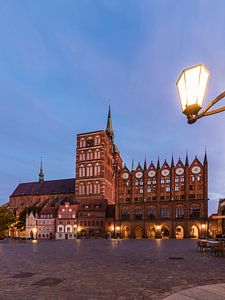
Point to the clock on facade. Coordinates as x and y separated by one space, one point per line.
179 171
90 143
125 175
196 170
138 175
165 172
151 173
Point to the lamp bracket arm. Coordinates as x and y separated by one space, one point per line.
206 111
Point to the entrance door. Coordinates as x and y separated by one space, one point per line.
138 232
126 232
179 232
194 232
151 232
165 232
66 236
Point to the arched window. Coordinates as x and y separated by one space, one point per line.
82 189
89 170
165 212
151 212
82 143
138 213
125 213
88 188
82 155
82 171
97 188
179 211
97 169
90 154
195 211
97 140
97 154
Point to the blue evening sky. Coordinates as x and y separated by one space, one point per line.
61 62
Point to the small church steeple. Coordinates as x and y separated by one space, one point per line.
41 174
109 128
132 166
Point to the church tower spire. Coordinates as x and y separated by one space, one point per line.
205 158
41 174
109 128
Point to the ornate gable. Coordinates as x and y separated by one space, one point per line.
151 170
165 169
196 167
179 168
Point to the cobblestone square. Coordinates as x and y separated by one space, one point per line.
104 269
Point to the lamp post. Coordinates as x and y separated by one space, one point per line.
75 230
144 219
191 87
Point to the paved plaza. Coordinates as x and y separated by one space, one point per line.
104 269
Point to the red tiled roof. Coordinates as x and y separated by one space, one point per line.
49 187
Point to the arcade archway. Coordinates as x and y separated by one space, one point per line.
179 232
125 232
138 232
151 232
194 233
165 232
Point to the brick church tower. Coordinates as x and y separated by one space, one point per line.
98 162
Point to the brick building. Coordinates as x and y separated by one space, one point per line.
42 193
91 218
66 221
168 200
46 223
217 221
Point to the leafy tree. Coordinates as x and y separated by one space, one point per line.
7 218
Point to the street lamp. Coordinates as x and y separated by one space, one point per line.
191 87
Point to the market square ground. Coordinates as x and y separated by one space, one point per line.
104 269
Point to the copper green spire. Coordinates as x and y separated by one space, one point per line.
109 128
41 174
132 166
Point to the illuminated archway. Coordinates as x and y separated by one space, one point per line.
194 233
125 232
165 232
179 232
151 232
138 232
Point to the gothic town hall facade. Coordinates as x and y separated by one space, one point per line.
147 201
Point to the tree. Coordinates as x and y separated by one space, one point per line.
7 218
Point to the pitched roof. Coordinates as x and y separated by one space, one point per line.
47 210
49 187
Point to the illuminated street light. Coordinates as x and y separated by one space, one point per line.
191 87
